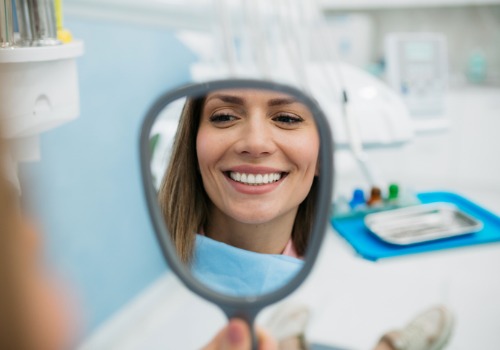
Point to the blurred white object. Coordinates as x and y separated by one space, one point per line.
373 115
351 36
289 319
381 115
164 130
39 91
417 68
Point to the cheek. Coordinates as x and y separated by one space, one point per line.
210 147
306 153
204 145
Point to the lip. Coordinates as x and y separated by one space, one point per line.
252 169
252 189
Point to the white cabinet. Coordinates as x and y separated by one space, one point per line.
376 4
197 14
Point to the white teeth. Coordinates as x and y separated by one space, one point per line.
252 179
265 179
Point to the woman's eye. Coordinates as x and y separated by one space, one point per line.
222 118
288 120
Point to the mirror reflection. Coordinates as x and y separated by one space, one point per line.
237 173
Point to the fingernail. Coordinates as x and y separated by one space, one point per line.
234 334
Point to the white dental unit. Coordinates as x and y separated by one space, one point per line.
38 77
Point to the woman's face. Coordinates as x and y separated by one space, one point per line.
257 154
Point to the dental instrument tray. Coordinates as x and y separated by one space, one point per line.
371 247
421 223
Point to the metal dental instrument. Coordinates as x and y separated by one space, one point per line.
23 23
43 22
6 24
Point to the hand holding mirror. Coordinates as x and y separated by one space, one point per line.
238 180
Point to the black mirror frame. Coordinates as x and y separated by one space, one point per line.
246 307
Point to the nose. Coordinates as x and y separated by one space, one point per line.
256 139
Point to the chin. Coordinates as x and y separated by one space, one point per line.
255 218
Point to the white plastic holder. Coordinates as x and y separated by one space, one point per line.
38 91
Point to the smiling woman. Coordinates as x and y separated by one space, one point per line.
242 180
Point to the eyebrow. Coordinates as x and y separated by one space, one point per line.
228 99
281 101
240 101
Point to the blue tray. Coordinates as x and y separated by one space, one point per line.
371 247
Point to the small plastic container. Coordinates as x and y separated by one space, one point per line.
421 223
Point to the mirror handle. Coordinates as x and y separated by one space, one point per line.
248 315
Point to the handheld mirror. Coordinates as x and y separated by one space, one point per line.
238 180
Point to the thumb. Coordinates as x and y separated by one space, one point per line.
237 336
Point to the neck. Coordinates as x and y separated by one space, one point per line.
251 236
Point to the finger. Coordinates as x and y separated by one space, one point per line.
215 343
266 341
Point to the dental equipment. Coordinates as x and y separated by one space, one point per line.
38 84
6 24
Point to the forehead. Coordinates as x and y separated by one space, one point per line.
244 96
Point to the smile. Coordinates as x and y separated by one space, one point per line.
255 179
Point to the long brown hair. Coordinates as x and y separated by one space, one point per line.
184 202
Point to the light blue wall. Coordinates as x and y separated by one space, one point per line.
87 187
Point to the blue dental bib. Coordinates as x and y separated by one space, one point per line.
238 272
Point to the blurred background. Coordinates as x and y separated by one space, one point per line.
439 58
